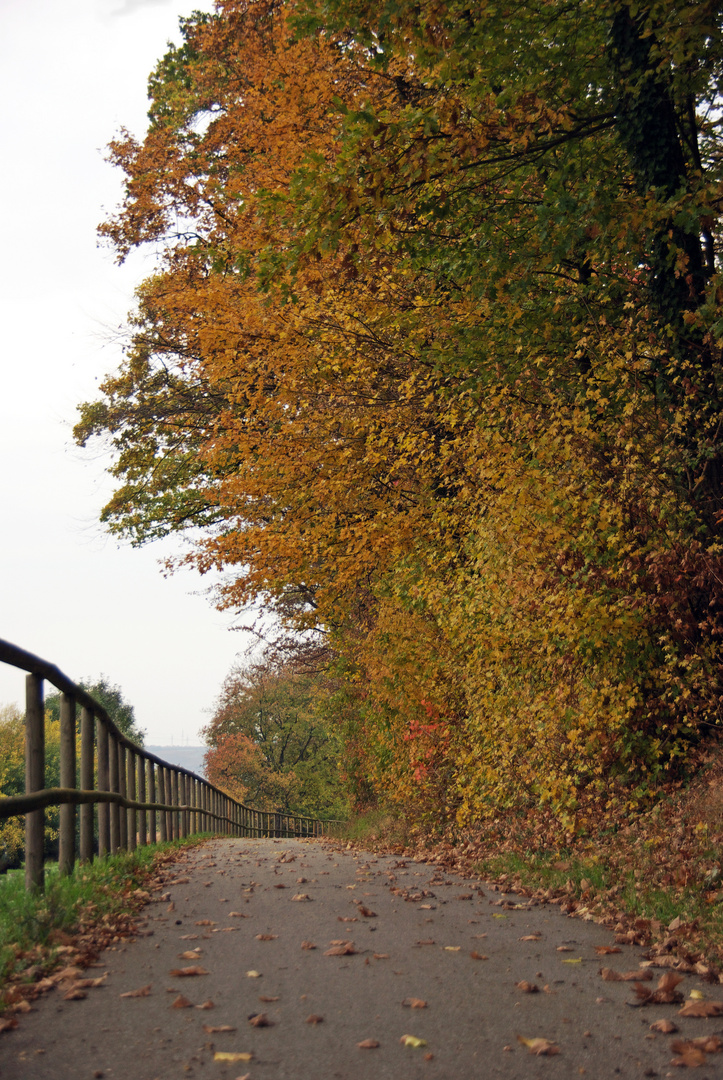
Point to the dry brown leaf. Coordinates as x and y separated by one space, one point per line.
260 1020
75 995
642 975
308 945
206 1005
414 1003
182 1002
607 950
531 937
314 1019
381 955
564 948
221 1055
67 973
478 955
347 949
665 1027
266 937
8 1023
347 918
368 1044
527 987
266 998
219 1030
205 922
171 906
192 954
702 1008
144 991
186 972
688 1055
298 896
540 1047
88 984
237 915
189 937
366 912
280 885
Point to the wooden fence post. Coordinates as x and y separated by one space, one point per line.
34 781
131 789
66 850
141 786
151 795
87 747
174 801
103 785
122 789
113 786
162 799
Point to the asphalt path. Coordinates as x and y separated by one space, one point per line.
400 948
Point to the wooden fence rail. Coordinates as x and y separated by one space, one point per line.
126 794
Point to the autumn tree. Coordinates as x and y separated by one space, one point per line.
271 744
111 698
430 365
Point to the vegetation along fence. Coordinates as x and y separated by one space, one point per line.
138 798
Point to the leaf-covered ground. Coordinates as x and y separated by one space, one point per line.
655 877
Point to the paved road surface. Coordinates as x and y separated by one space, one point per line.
237 903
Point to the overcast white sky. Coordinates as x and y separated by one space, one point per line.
71 73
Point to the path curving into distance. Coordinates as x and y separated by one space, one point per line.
388 934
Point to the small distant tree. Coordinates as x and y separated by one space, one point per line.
111 698
271 744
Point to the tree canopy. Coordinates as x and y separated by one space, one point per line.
430 365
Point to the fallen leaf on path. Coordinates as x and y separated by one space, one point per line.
607 950
280 885
412 1041
266 998
347 918
427 941
237 915
299 896
220 1055
182 1002
540 1047
309 945
609 975
171 906
253 974
478 955
452 948
187 972
702 1008
225 930
665 1027
345 949
414 1003
366 912
260 1020
572 960
314 1019
531 937
381 955
87 984
688 1055
192 954
564 948
219 1030
498 916
266 937
664 994
75 995
67 973
697 995
205 922
189 937
8 1024
144 991
368 1044
206 1005
527 987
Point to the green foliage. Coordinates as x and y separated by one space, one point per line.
273 744
12 782
111 698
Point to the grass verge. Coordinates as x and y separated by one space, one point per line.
75 915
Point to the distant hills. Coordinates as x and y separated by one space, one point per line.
188 757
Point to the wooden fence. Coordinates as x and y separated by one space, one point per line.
127 795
